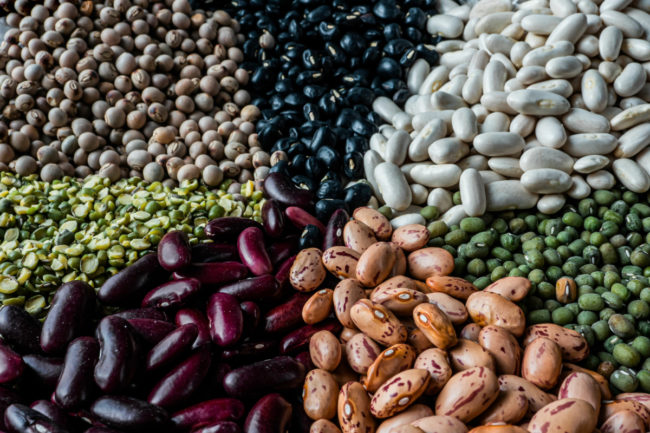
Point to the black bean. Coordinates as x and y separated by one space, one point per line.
353 165
328 157
397 47
329 189
325 208
389 68
310 237
324 136
304 181
357 195
386 9
356 144
392 31
319 14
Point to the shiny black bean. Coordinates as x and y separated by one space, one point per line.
330 189
130 414
53 412
311 237
325 208
75 385
357 195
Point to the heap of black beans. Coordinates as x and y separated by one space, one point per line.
315 68
206 338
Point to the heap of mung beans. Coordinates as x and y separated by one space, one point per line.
65 230
126 88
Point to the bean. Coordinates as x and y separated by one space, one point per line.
174 251
132 282
20 418
116 366
18 328
75 385
129 414
171 293
282 372
225 318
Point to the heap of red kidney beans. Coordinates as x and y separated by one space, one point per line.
208 338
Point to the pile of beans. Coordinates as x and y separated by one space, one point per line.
203 339
126 88
315 68
407 351
530 103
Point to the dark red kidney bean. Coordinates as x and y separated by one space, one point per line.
7 398
52 411
75 386
226 319
174 251
282 275
151 331
252 315
19 329
271 414
273 218
279 187
100 430
262 288
183 380
44 368
282 249
215 273
250 351
213 252
305 359
117 362
130 414
196 317
228 227
172 293
279 373
285 316
208 412
142 313
219 427
70 313
300 218
250 244
11 364
23 419
131 283
175 344
334 231
299 339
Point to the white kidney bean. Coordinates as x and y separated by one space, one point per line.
493 23
371 160
631 175
495 122
563 67
494 77
508 195
631 117
505 166
392 186
498 143
540 56
434 176
594 91
631 80
477 162
531 74
436 78
497 101
550 132
523 125
434 130
601 179
633 141
440 198
541 24
472 192
558 86
537 102
638 49
397 147
546 181
570 29
589 144
518 51
546 157
447 26
448 150
464 124
551 203
579 189
590 163
419 194
417 74
588 45
627 25
580 120
587 7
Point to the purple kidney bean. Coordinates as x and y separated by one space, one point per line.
285 316
97 429
305 359
271 414
228 228
131 283
262 288
142 313
182 381
282 275
299 339
279 187
71 310
334 231
194 316
219 427
7 398
19 329
213 252
172 293
11 364
250 245
130 414
226 319
215 273
151 331
250 351
23 419
282 249
252 315
273 218
45 369
208 412
279 373
300 218
176 343
174 251
117 362
53 412
75 386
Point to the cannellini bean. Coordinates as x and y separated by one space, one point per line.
505 166
571 29
508 195
579 120
579 189
440 198
551 203
601 180
545 157
546 181
537 102
392 186
590 163
550 132
498 143
631 175
447 26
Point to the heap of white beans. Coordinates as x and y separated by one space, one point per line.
529 104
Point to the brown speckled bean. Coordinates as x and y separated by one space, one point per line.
391 361
404 419
468 393
375 264
568 415
307 271
346 294
453 308
378 322
487 308
470 331
468 354
358 236
323 426
399 267
318 306
452 286
583 386
399 392
354 409
436 362
607 409
417 339
603 384
320 394
510 407
378 223
411 237
325 350
503 347
341 261
347 333
435 325
400 301
430 261
573 344
361 352
623 422
498 428
537 398
512 288
440 424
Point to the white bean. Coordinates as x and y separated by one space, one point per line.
434 130
498 143
479 61
631 117
563 67
550 132
478 162
392 186
378 144
446 101
447 26
473 87
386 108
472 192
540 56
570 29
436 78
518 51
587 7
590 163
448 150
641 17
421 119
464 124
579 189
594 91
498 101
588 45
616 5
594 24
493 23
454 215
631 175
488 176
397 147
417 74
371 160
551 203
434 176
513 31
523 125
546 157
546 181
537 102
626 103
440 198
419 194
589 144
494 77
563 8
633 141
609 70
531 74
457 57
485 7
630 81
455 85
406 219
540 24
601 180
583 121
495 122
627 25
638 49
508 195
505 166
